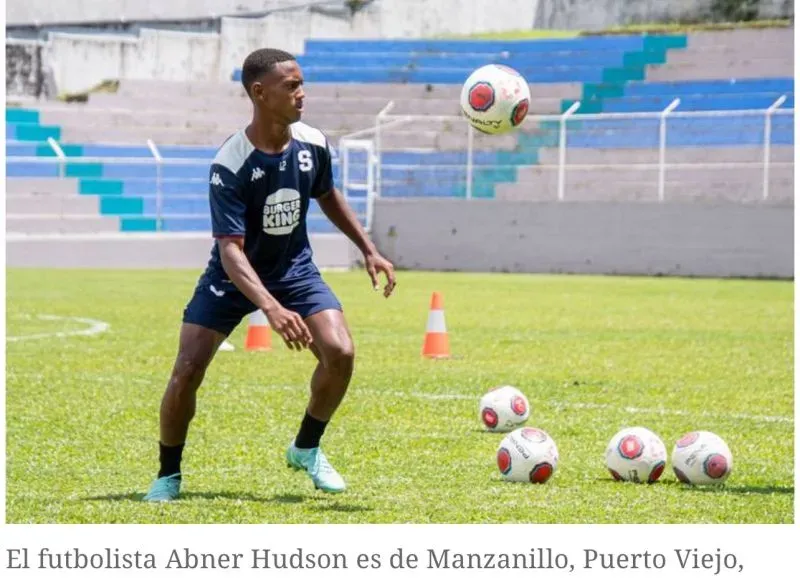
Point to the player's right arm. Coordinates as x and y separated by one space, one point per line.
228 208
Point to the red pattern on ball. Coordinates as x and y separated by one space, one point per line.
687 439
481 96
520 111
504 460
656 473
534 435
489 417
541 473
715 466
518 405
680 475
631 447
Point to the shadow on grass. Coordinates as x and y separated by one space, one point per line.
323 503
329 506
722 489
133 497
189 495
748 489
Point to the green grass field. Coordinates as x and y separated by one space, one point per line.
593 354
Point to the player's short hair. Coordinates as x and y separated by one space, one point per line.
260 62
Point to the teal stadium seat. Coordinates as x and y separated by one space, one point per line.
611 69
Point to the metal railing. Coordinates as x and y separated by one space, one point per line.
157 192
642 171
561 129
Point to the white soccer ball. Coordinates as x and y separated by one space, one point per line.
503 409
528 455
636 454
495 99
701 458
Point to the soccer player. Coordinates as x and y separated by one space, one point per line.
261 181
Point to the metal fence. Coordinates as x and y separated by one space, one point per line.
167 180
607 156
643 156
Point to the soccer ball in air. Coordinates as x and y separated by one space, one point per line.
527 455
495 99
503 409
636 454
701 458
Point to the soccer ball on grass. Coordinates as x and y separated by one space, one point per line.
503 409
527 455
701 458
636 454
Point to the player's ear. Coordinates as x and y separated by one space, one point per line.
257 91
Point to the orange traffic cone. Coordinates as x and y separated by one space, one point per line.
259 335
436 343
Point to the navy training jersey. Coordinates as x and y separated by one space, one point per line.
265 198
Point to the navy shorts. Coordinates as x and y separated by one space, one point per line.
221 307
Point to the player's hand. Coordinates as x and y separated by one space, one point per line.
375 263
290 326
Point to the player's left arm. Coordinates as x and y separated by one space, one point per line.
335 207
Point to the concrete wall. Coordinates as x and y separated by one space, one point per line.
381 19
23 12
117 250
692 239
283 30
24 75
395 18
80 61
600 14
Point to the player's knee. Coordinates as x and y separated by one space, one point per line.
340 356
189 371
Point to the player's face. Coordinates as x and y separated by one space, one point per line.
280 93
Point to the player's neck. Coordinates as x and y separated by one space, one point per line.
270 137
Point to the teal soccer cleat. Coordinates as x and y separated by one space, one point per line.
316 465
164 489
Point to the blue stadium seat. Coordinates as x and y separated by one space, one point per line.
612 68
423 46
695 102
778 85
469 61
17 149
32 169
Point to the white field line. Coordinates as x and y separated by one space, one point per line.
223 387
562 405
95 327
629 409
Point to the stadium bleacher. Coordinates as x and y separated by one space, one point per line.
349 82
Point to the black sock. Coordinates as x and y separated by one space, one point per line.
170 458
310 433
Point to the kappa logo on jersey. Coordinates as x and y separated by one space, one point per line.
258 172
216 180
282 166
281 212
304 158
